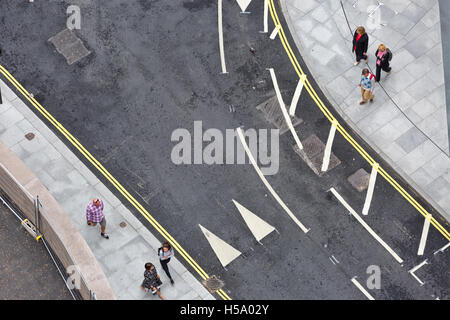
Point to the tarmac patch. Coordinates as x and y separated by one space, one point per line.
70 46
272 112
359 180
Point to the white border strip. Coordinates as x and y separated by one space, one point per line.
363 290
417 268
268 186
266 16
443 248
298 91
423 238
327 153
283 108
219 22
369 194
366 226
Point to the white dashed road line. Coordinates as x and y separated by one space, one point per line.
423 238
274 33
298 91
327 152
219 22
369 194
363 290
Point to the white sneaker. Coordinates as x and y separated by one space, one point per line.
356 63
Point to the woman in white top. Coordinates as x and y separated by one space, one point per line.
165 253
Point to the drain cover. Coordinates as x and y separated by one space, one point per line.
70 46
272 112
213 284
29 136
359 180
123 224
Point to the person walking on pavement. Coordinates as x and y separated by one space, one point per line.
152 280
94 215
367 84
360 44
383 55
165 253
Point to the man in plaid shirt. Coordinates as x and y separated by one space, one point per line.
94 215
367 83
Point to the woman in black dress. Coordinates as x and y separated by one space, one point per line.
360 44
151 280
382 55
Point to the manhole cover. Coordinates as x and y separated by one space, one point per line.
213 284
272 112
359 180
123 224
29 136
312 154
70 46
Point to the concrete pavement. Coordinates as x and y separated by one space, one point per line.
72 184
407 123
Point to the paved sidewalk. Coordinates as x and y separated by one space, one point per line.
73 185
407 123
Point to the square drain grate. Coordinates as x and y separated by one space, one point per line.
272 112
359 180
312 154
70 46
213 284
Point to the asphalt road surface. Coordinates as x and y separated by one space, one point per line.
155 67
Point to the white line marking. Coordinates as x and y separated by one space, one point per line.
335 258
415 269
266 16
243 4
332 261
257 226
224 252
363 290
274 33
283 109
369 194
423 238
366 226
266 183
443 248
219 19
327 153
298 91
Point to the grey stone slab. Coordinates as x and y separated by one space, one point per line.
424 108
378 118
398 80
388 36
414 12
5 105
438 166
10 117
401 124
398 5
11 136
416 31
401 24
421 177
403 100
426 4
321 54
435 54
37 144
384 136
59 168
305 24
418 157
432 16
437 97
431 127
321 34
421 87
420 66
410 140
394 152
128 217
340 88
321 14
439 188
421 45
304 6
7 92
437 75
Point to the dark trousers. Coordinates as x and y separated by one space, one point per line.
165 267
360 55
378 73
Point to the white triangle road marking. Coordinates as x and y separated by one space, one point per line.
224 252
257 226
243 4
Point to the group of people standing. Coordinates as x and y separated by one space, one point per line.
383 56
152 281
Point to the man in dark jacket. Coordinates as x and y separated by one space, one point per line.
360 44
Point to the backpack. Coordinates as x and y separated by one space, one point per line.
372 76
389 54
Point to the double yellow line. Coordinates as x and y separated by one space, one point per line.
111 179
344 133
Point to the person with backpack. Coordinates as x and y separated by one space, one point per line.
367 84
360 44
165 253
384 55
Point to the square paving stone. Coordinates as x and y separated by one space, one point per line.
359 180
410 139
